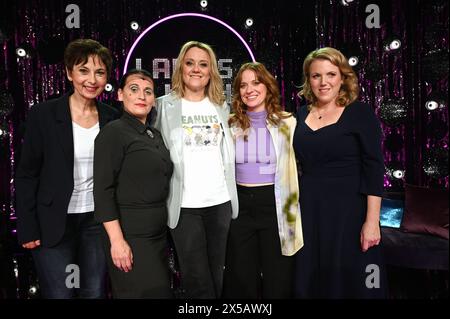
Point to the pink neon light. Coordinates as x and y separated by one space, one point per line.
186 15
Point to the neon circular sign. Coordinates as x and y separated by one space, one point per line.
157 47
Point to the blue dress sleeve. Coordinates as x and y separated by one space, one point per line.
369 134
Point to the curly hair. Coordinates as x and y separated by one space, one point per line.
272 101
214 88
349 90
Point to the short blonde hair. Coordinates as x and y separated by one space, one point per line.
214 89
349 90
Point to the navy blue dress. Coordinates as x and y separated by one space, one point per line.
340 165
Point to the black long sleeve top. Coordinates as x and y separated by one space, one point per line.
132 168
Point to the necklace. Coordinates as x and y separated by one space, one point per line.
320 115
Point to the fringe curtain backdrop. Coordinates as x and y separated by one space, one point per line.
398 83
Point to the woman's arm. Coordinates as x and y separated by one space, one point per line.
27 183
121 253
108 156
372 164
370 231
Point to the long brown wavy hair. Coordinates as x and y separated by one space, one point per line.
349 89
272 102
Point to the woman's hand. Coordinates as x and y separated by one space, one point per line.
370 235
122 255
32 244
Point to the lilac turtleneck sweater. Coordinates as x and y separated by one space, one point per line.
256 158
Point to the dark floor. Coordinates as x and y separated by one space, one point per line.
404 283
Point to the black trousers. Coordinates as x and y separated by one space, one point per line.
255 267
200 242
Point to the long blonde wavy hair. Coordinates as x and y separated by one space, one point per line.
214 88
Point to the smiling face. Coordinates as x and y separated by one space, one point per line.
325 80
137 96
88 79
196 70
253 92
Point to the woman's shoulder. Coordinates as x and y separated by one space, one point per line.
300 113
362 115
225 105
288 118
48 110
359 106
171 96
48 104
286 114
162 97
167 100
112 128
360 109
108 109
303 109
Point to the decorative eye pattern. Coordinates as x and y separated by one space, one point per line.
109 87
134 25
395 44
346 3
21 52
431 105
398 174
392 43
353 61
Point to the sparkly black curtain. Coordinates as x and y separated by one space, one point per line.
396 83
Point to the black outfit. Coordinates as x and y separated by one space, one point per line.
341 164
200 240
255 268
44 185
132 170
44 177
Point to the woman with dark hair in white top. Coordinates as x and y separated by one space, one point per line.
54 179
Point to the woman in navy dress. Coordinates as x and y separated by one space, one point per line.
338 147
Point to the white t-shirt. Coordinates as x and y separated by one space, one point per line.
204 176
82 200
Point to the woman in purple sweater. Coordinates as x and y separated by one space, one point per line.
267 232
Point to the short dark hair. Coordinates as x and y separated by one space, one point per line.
145 74
79 51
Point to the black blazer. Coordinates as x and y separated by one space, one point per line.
44 177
